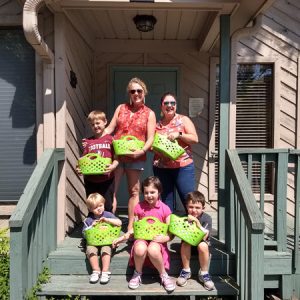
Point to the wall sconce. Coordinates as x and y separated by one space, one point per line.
73 79
144 23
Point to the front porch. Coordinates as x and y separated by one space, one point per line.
244 256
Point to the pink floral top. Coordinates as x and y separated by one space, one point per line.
132 123
176 125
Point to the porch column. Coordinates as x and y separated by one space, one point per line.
224 118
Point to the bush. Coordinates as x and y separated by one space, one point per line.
4 264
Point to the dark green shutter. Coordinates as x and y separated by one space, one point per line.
17 113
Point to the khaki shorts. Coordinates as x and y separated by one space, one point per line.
95 250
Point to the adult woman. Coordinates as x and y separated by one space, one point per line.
179 173
133 118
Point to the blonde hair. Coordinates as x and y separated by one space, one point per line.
93 200
138 81
96 114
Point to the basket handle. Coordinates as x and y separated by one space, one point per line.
103 224
146 219
129 137
91 155
163 136
192 223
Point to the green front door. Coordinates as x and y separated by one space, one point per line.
158 81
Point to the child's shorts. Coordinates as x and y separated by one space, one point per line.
95 250
194 249
135 165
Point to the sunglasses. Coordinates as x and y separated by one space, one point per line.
139 91
172 103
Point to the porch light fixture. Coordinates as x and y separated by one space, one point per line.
144 23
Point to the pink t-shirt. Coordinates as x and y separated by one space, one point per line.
160 211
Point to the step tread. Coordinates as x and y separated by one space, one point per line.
79 285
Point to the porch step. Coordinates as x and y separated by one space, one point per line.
72 285
69 258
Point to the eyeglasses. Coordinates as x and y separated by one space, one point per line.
172 103
139 91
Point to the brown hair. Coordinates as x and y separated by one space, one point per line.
96 114
195 197
165 95
138 81
94 199
152 180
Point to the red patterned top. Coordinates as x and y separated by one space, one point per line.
175 125
132 123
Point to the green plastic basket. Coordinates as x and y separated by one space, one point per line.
149 227
187 231
93 163
127 144
168 148
102 234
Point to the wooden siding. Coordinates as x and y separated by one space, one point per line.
278 40
79 58
194 82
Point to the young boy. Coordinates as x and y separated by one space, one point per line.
195 204
95 204
100 143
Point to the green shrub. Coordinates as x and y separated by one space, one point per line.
43 278
4 264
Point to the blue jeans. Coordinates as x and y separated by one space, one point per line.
183 179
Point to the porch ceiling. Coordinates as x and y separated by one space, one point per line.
196 21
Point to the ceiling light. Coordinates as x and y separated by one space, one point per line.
144 23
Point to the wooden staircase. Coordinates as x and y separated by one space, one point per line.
70 273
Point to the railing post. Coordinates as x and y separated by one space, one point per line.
256 265
18 251
280 202
224 115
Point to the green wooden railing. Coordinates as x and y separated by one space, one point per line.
245 235
33 224
244 227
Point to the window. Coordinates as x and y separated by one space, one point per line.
254 114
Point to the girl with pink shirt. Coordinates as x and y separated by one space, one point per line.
153 253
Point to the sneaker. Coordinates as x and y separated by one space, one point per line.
183 278
135 281
94 277
167 282
207 282
105 277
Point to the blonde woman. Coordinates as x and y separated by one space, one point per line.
136 119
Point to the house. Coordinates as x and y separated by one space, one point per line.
78 55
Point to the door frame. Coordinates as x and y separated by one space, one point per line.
138 68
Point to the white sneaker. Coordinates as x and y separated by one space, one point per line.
105 277
135 281
94 277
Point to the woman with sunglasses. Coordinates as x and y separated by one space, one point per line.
136 119
179 173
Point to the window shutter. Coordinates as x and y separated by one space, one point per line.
254 118
17 113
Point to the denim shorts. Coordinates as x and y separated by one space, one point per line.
135 165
